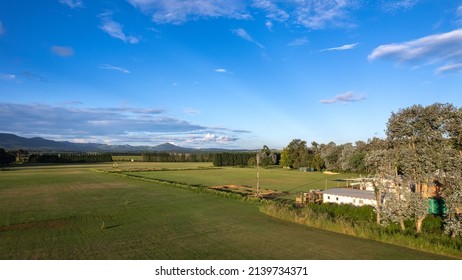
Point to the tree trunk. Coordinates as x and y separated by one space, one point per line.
419 222
401 223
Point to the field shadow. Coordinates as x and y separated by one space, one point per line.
112 226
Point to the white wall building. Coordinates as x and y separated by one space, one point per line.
349 196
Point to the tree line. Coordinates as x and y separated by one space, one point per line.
176 157
70 158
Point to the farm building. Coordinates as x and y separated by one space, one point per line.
349 196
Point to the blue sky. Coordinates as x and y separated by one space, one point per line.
220 73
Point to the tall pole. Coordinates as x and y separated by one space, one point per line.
258 175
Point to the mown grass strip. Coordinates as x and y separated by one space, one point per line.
194 188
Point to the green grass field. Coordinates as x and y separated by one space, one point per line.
291 181
70 212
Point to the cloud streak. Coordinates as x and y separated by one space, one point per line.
111 125
7 77
312 14
445 48
341 48
298 42
115 29
447 69
395 5
241 32
72 3
180 11
62 51
346 97
115 68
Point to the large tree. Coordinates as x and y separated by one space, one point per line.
295 155
422 139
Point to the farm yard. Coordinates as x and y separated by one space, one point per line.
72 212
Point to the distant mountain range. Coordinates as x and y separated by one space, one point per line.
14 142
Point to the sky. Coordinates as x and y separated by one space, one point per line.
222 73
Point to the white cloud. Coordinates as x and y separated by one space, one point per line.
62 51
459 15
452 68
220 139
223 70
298 42
312 14
395 5
111 67
180 11
320 14
341 48
346 97
72 3
273 12
269 25
115 29
7 77
240 32
114 125
445 48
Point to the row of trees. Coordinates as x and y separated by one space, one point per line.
345 157
233 159
70 158
177 157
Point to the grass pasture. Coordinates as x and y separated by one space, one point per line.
70 212
292 182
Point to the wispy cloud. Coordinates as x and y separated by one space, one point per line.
223 70
341 48
115 29
62 51
445 48
298 42
395 5
111 67
192 111
312 14
147 126
72 3
346 97
36 77
458 15
273 12
180 11
451 68
7 77
2 29
320 14
241 32
269 25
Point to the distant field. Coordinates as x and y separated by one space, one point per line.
127 158
70 212
292 181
